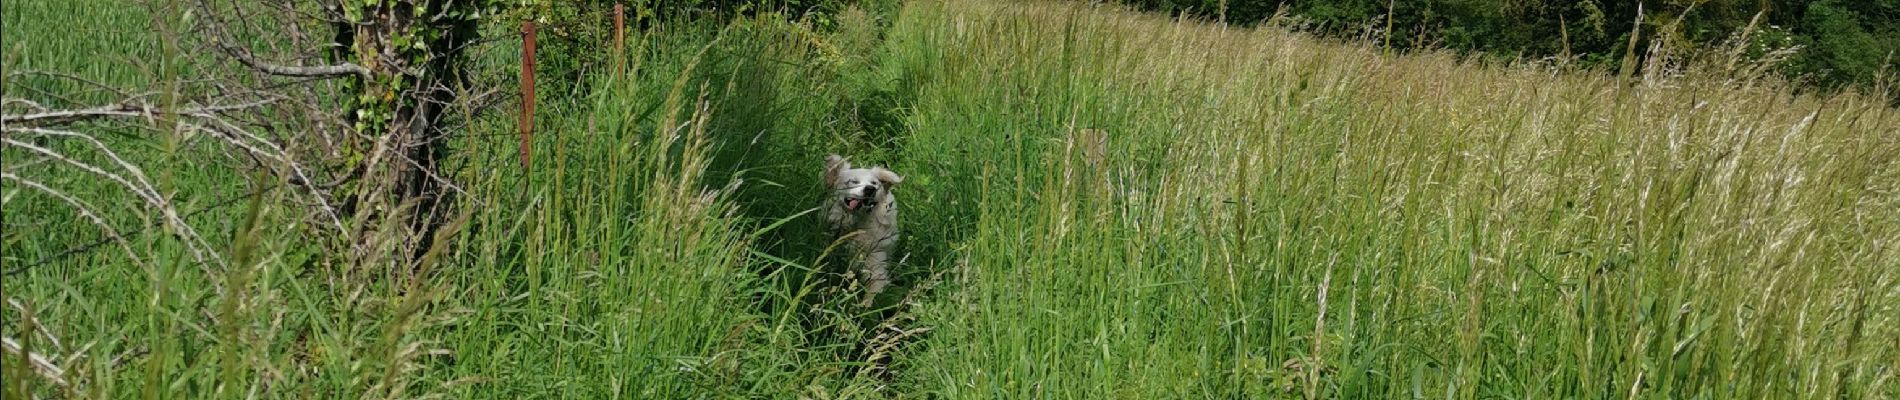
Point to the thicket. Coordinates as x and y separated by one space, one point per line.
1840 42
575 30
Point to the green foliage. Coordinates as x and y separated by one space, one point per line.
575 36
1850 42
1262 215
118 51
1254 214
427 38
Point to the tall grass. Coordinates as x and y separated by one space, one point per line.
144 318
116 46
1098 204
1270 215
622 264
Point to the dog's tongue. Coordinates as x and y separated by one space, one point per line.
851 204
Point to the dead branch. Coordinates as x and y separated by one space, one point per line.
220 38
70 77
40 364
244 57
136 108
28 314
299 175
230 133
111 236
200 250
128 108
85 211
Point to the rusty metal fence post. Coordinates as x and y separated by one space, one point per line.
620 40
527 90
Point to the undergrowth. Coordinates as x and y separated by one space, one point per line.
1098 203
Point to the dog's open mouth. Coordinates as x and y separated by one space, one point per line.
854 203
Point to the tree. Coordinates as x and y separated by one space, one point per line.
412 54
403 64
358 124
1845 42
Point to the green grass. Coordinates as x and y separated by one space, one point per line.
114 45
1098 204
1275 215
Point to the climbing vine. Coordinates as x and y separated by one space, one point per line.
414 54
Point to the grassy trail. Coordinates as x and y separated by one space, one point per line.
1155 209
1098 204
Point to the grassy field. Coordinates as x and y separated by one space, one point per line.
1098 204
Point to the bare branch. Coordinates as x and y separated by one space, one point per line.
71 77
431 175
200 249
325 71
29 104
27 314
85 210
244 56
231 134
40 365
110 236
60 117
125 109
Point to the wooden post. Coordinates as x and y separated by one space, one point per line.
527 90
620 39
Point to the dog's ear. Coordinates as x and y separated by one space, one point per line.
834 165
889 178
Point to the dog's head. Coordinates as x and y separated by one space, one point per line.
858 189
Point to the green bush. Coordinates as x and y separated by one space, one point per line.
576 36
1848 42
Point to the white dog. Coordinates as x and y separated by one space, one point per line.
862 208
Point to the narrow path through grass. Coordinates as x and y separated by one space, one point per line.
1098 204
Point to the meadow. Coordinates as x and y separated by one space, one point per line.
1098 203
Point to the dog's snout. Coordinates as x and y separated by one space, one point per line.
870 190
